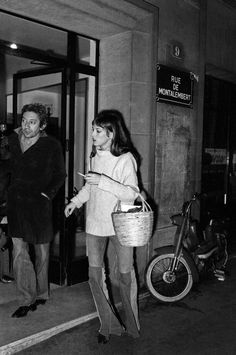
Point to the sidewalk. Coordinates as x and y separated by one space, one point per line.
67 307
203 323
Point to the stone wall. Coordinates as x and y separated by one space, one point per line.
177 155
135 36
127 84
221 35
205 31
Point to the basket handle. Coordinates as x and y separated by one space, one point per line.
145 206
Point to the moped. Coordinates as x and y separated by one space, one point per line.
170 274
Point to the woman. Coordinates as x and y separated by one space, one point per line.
112 177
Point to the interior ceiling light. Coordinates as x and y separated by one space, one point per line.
13 46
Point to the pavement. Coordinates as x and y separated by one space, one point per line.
67 307
202 323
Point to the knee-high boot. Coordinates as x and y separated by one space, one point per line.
109 322
128 292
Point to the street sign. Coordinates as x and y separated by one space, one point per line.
174 86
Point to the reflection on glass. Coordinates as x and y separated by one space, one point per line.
45 89
86 51
84 113
18 30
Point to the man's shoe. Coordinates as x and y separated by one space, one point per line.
23 310
40 301
102 339
6 279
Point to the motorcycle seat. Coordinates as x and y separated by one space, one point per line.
206 249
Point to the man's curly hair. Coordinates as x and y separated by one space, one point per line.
39 109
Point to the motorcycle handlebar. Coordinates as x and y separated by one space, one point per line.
196 197
199 196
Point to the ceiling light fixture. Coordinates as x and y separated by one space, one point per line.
13 46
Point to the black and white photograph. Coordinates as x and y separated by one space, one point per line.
118 177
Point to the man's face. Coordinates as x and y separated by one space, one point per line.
30 124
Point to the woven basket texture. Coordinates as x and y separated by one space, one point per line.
134 229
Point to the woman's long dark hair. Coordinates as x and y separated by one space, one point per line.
113 121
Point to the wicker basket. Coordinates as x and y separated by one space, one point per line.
134 229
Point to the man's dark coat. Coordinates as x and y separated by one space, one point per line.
39 169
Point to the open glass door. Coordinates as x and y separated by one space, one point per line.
80 147
47 86
82 105
70 95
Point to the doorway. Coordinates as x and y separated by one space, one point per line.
219 147
67 86
126 34
68 260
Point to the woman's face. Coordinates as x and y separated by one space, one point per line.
101 137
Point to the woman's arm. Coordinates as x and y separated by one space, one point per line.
78 200
125 188
82 196
127 191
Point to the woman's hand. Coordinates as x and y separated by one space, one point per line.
93 178
69 209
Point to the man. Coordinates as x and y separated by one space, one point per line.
36 173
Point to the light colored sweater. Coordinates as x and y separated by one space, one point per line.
119 175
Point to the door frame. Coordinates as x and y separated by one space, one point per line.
69 67
64 269
57 265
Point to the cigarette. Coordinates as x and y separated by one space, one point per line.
80 174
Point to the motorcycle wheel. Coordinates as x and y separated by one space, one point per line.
165 285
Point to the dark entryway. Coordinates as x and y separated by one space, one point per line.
219 146
62 74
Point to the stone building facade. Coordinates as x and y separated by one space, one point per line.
193 36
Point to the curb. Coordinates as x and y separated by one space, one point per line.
34 339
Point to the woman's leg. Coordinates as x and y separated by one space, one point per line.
41 269
128 287
109 323
24 272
